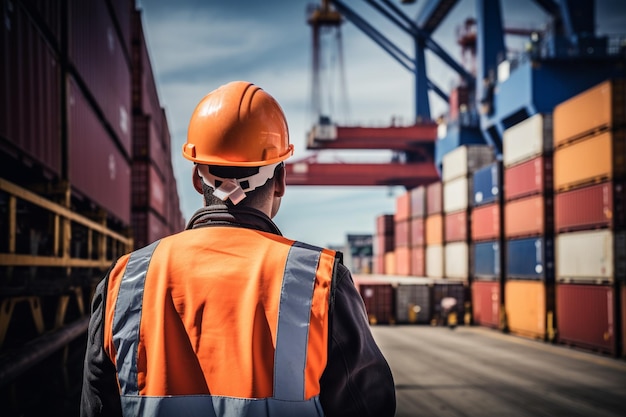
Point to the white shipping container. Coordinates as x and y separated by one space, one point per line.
456 195
456 257
527 139
587 256
465 160
434 261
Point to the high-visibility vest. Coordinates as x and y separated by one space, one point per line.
220 321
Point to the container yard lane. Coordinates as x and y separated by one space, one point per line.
481 372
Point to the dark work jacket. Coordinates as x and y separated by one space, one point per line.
357 380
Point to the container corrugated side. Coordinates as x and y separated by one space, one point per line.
434 229
600 107
434 261
585 316
49 14
456 227
403 260
465 160
527 139
384 224
486 260
590 160
486 184
530 258
30 72
148 189
486 303
147 228
486 222
528 178
96 52
418 201
98 169
379 302
402 233
412 303
456 195
382 244
456 260
123 11
417 231
525 304
623 304
586 256
403 207
434 198
418 261
529 216
591 207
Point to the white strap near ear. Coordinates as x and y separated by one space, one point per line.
232 187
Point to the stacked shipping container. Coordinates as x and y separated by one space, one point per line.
417 231
402 234
383 243
590 248
433 224
528 219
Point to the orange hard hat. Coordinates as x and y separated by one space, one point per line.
238 124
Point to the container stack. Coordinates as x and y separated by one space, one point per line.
433 224
528 227
486 241
402 229
383 262
417 231
590 218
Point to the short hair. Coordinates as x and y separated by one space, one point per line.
254 198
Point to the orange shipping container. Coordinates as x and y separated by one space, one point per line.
525 305
403 206
486 222
528 216
403 261
592 159
598 107
434 229
390 263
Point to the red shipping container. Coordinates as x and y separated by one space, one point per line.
378 264
403 261
383 244
486 222
379 302
50 14
417 232
434 198
30 102
527 178
599 205
123 12
585 316
455 227
418 261
623 302
528 216
147 228
401 236
486 303
384 224
418 201
403 207
98 170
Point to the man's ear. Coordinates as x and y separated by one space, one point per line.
197 180
281 182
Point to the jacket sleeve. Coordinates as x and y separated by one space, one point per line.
357 380
100 393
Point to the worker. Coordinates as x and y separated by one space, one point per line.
228 317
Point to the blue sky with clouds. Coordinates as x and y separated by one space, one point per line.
197 45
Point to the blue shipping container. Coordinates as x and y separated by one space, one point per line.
486 184
530 258
487 260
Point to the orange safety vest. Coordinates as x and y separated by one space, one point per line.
220 321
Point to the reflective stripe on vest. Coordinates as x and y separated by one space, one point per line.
290 353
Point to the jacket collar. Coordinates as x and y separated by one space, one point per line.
222 215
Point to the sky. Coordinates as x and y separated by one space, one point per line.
197 45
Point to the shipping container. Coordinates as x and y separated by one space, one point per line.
403 261
99 170
379 302
442 289
434 229
529 216
486 222
413 303
486 260
464 160
402 233
486 184
530 258
147 144
600 107
585 317
102 64
623 317
418 261
434 198
48 15
383 244
591 207
417 231
486 303
123 12
434 261
456 195
527 307
390 263
596 256
590 160
527 140
378 263
456 227
148 189
403 207
456 260
528 178
147 228
384 224
418 201
30 73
